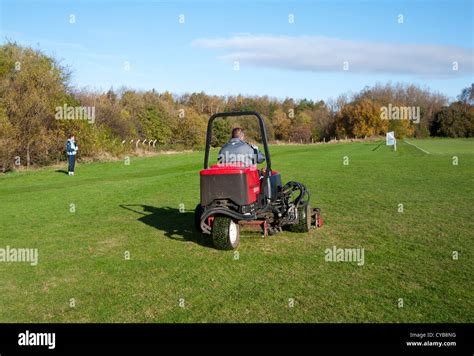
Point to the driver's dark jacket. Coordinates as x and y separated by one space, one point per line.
237 150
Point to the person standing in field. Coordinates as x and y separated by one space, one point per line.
71 150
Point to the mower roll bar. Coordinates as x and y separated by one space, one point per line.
263 133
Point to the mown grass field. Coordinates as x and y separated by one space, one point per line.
136 208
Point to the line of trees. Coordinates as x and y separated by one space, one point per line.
33 86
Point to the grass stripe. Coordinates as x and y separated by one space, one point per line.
421 149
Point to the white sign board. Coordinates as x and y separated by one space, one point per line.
391 141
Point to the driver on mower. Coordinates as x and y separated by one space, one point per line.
235 192
237 150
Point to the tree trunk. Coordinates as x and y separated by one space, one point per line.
28 155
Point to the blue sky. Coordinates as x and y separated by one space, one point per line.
304 59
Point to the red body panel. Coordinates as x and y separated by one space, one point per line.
251 173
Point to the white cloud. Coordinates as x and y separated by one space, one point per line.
325 54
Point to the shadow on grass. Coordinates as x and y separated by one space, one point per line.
378 146
61 171
176 225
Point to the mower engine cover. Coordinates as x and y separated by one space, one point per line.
232 181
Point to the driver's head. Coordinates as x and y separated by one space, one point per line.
238 133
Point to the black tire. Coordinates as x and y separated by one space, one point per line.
304 220
225 233
197 217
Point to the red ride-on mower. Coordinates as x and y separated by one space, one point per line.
233 194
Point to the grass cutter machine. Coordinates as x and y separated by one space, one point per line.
234 194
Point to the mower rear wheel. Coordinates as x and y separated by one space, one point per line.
225 233
304 220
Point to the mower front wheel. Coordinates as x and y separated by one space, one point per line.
225 233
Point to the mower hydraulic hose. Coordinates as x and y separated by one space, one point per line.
294 186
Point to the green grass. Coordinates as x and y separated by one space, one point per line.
445 146
135 208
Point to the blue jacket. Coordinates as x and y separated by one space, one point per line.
71 148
